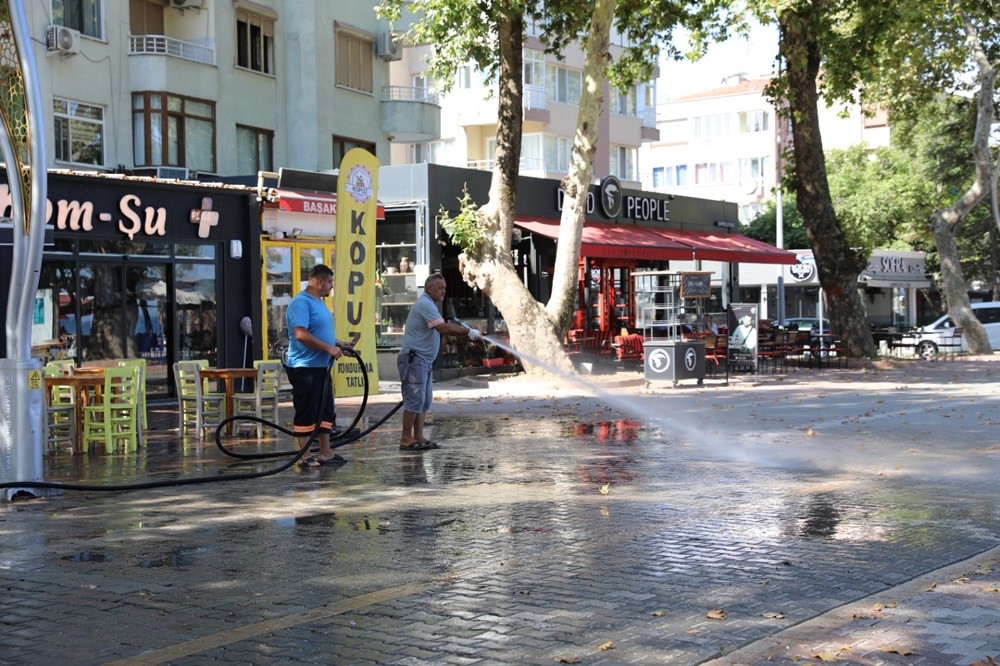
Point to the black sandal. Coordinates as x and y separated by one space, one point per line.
414 446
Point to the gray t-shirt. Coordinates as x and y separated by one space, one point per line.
421 335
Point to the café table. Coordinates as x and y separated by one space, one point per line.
81 384
228 377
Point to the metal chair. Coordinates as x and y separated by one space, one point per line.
196 407
115 418
266 395
950 347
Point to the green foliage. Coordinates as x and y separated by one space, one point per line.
465 229
765 226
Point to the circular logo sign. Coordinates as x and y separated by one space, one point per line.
690 359
803 270
611 196
359 184
658 360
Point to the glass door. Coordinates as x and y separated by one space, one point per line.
286 273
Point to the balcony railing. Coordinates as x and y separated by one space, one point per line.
168 46
648 117
533 97
408 94
527 165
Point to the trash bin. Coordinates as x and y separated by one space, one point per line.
674 360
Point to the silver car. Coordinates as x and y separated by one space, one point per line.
927 341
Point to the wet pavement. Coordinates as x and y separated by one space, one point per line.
818 516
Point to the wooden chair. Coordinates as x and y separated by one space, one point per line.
266 395
60 410
716 351
139 363
115 417
196 407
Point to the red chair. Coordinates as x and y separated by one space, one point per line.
628 348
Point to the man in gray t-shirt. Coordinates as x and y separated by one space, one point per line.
421 342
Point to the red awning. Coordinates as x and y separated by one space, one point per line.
618 241
615 241
709 246
317 203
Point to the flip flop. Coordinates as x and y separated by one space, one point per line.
431 445
314 461
414 446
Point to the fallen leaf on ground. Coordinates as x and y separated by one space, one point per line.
605 512
693 631
986 662
961 581
608 646
828 655
716 614
992 588
810 432
772 615
658 613
606 488
930 587
879 606
867 615
897 650
567 660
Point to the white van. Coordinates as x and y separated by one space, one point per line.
926 341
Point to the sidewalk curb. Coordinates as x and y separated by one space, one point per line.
830 627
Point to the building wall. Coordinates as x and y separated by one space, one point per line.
299 102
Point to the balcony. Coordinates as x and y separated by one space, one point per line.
648 130
161 45
535 104
528 166
158 62
410 114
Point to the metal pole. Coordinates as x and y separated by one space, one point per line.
22 417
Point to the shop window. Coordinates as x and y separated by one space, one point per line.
83 15
396 282
255 42
354 61
253 150
79 132
170 130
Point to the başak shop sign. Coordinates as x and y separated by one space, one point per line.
128 216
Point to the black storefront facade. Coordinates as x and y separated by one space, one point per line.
624 231
137 268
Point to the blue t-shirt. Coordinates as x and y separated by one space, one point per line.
421 335
311 314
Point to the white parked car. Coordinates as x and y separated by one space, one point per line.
928 340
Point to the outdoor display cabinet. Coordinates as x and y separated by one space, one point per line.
670 313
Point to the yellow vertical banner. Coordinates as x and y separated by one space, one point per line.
354 271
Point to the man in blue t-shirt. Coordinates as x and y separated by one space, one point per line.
421 342
311 345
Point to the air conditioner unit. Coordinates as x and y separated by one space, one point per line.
62 39
187 4
387 47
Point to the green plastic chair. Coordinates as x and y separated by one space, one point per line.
196 407
141 364
115 418
60 410
266 395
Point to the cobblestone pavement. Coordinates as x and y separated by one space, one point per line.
838 515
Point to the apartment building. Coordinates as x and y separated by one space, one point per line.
723 142
552 89
229 87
